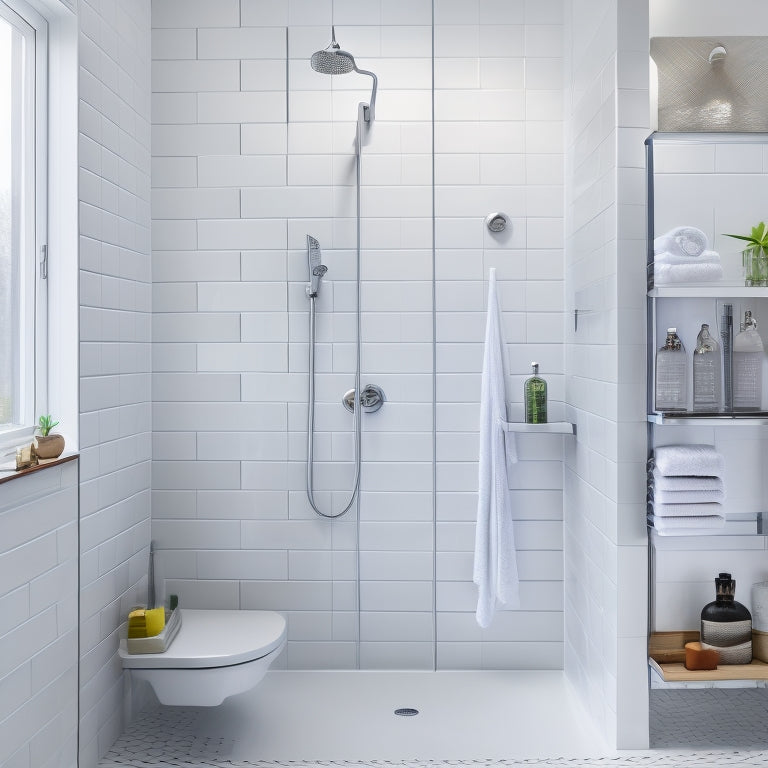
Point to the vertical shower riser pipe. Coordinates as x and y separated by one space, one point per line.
361 113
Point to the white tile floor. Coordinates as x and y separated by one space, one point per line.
508 718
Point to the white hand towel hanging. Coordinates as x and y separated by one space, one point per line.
495 570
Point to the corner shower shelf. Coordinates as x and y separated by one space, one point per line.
551 427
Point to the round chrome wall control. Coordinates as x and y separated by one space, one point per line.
371 399
497 222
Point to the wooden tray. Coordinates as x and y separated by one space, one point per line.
669 647
677 673
666 652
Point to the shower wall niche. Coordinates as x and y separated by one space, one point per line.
252 152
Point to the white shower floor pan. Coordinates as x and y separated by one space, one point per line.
508 718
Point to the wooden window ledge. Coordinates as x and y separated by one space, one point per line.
7 473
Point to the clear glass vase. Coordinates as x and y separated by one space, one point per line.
755 260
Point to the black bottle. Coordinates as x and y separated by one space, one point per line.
726 625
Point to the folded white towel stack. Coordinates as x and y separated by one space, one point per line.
688 526
660 496
682 256
698 460
677 260
684 482
686 490
664 274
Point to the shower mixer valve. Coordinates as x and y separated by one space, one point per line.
371 399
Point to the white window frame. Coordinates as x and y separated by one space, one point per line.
32 361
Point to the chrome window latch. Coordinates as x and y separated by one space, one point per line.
43 262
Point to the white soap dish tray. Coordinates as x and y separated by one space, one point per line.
158 643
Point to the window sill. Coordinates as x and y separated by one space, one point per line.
14 436
7 475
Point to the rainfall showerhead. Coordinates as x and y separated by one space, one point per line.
333 61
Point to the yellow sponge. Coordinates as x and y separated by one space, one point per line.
146 622
155 618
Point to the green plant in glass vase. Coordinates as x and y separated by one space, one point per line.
755 255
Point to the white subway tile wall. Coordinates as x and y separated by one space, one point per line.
605 541
38 618
250 156
488 86
115 343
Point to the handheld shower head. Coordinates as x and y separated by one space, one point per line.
316 269
334 61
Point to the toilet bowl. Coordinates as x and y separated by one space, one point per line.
216 654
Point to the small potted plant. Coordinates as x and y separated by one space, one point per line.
755 255
48 446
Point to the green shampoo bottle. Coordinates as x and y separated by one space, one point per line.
535 395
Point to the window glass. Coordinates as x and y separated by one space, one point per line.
7 271
19 133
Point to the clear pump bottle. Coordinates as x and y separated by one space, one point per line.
671 374
535 396
748 356
707 387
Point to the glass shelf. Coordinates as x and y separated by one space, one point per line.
707 137
693 419
551 427
744 524
708 291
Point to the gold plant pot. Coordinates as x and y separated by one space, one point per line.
49 447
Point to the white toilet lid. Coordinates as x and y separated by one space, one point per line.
210 638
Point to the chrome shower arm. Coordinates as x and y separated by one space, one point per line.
371 110
369 117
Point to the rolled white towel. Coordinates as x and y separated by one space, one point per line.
686 241
673 258
686 526
660 496
663 274
684 482
699 460
687 510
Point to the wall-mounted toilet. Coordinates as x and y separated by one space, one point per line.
216 654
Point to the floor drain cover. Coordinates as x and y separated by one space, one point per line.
406 712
